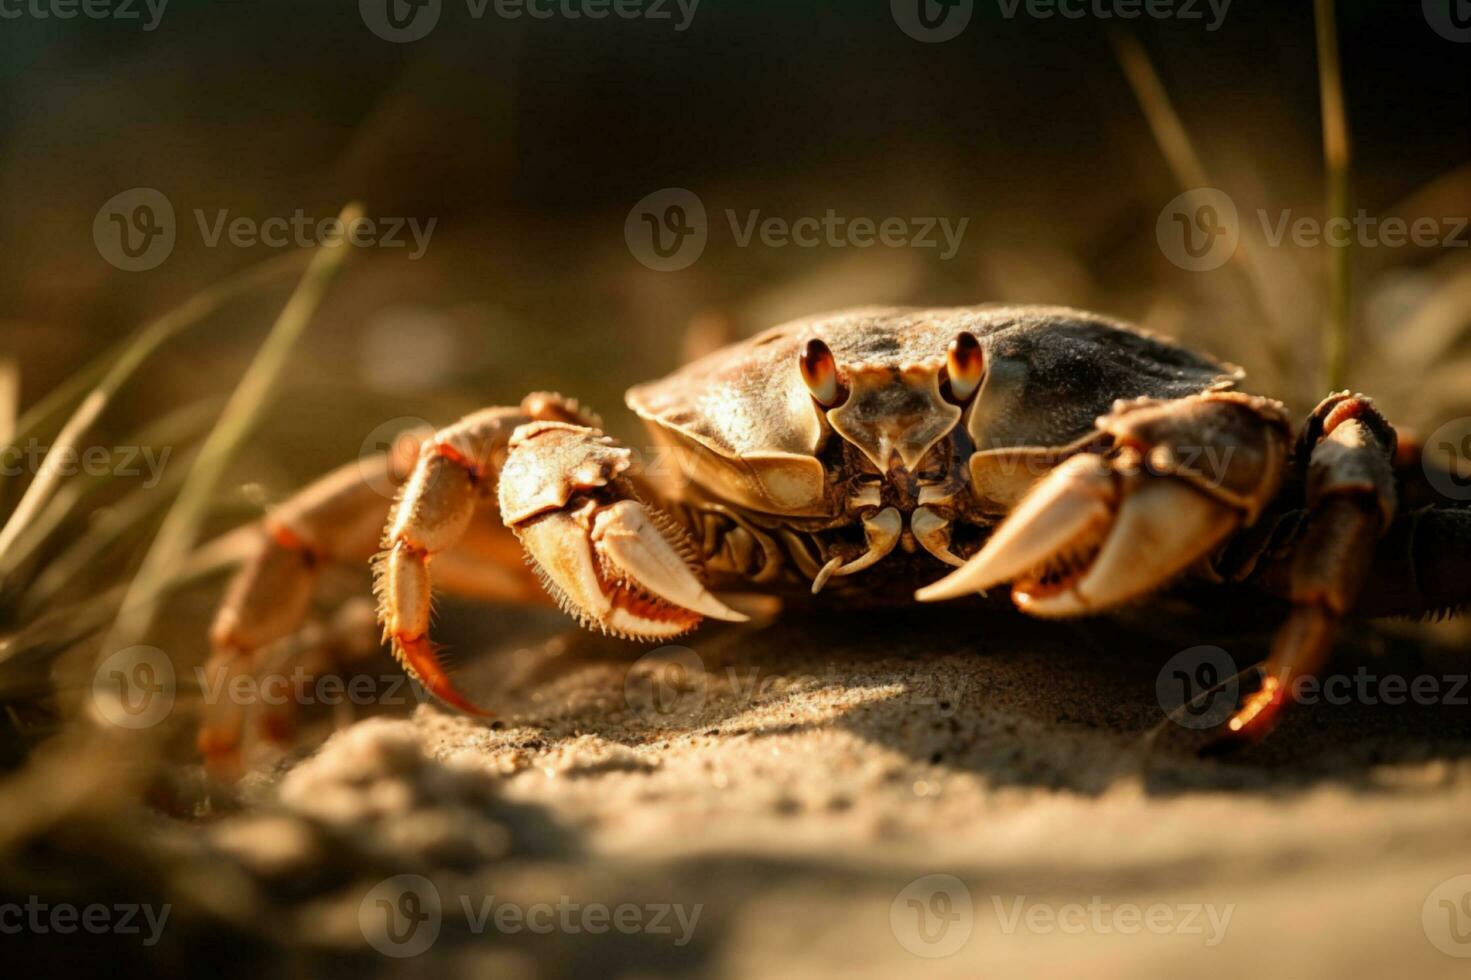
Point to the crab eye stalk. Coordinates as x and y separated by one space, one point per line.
965 365
820 372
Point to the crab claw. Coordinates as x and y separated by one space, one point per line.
613 566
1074 503
1088 538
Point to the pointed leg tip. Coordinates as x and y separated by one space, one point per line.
419 657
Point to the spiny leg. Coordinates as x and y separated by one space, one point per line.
339 519
486 564
335 519
455 475
1348 449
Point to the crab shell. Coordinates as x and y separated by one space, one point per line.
744 426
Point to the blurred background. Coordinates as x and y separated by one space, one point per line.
528 141
529 150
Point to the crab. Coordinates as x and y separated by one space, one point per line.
889 455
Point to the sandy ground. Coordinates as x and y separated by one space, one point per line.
891 797
944 794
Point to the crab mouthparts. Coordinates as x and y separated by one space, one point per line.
882 531
1047 544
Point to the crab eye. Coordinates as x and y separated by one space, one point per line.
820 372
965 365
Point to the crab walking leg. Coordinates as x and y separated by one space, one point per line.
454 476
609 559
1099 531
488 563
1351 494
336 519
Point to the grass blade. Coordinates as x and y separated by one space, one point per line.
126 359
1190 173
1336 158
181 524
